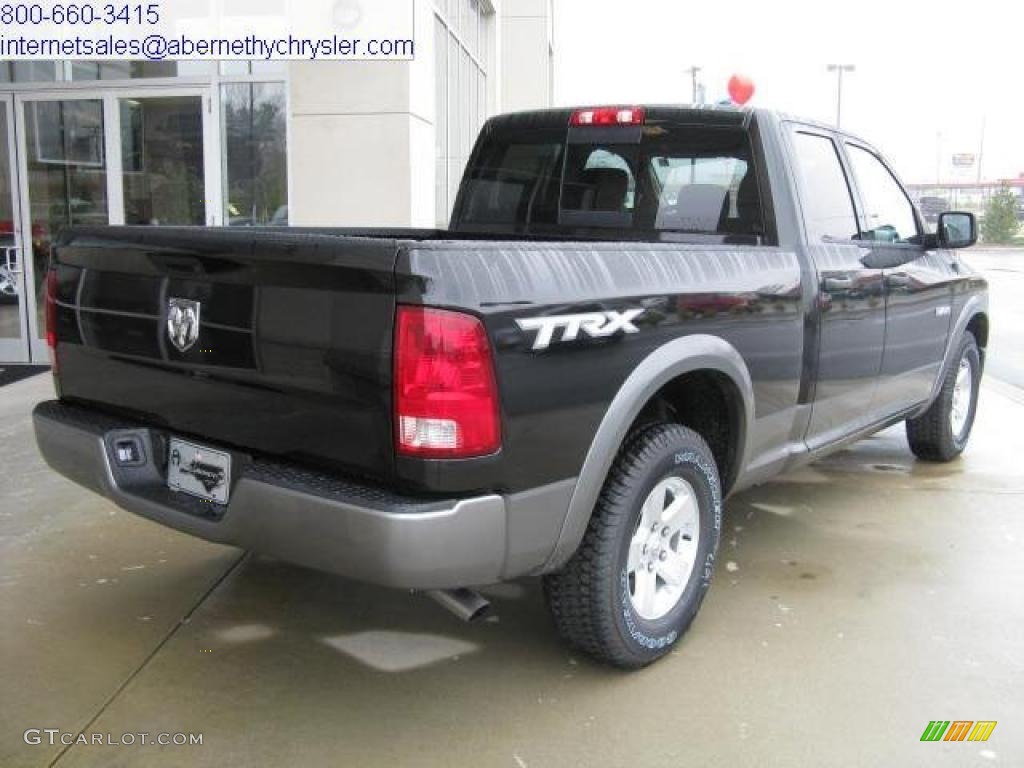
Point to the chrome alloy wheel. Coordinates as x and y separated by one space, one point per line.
663 550
963 391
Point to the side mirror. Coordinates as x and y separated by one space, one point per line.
956 229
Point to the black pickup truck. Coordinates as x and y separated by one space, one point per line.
635 312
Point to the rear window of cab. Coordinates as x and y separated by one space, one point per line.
684 179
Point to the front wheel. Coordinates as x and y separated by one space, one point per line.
941 432
639 577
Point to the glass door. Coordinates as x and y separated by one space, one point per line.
13 304
140 157
63 156
161 160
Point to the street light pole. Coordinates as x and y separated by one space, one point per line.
981 147
693 71
839 69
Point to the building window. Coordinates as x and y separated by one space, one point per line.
29 71
162 160
80 71
255 153
460 66
133 70
258 67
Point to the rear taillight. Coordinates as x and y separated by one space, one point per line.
446 398
607 116
51 317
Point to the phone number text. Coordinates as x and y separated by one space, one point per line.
80 14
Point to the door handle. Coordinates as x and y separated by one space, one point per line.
837 284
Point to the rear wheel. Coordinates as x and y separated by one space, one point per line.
941 432
640 575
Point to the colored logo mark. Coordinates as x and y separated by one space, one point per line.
958 730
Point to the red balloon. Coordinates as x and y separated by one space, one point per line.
741 89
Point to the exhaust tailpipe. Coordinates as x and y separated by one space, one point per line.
467 604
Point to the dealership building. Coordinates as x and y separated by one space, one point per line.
251 143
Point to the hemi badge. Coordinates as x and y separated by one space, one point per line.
942 311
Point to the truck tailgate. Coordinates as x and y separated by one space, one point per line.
293 351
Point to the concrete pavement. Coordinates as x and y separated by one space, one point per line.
855 600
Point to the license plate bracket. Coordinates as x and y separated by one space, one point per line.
198 470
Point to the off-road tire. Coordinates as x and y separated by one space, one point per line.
589 598
931 435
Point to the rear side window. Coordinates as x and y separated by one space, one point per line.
827 203
676 179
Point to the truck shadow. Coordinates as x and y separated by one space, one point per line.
772 537
802 539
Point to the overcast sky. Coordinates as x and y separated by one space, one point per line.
928 73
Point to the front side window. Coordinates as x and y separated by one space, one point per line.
888 213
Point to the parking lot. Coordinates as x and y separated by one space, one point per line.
855 601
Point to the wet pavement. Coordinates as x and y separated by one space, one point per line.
1004 268
855 601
